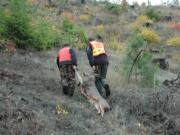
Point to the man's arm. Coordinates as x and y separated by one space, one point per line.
90 56
73 56
57 61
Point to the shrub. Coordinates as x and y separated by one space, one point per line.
143 19
114 8
150 35
139 22
151 13
73 35
84 18
138 60
14 23
44 35
18 25
174 41
100 28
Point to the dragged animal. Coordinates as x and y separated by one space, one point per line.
89 91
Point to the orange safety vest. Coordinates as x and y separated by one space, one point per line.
97 48
64 54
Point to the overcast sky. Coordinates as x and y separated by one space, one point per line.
153 2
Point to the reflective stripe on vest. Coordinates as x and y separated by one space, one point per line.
64 54
97 48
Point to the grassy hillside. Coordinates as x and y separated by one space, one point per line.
32 31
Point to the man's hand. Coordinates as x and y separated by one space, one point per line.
94 68
74 67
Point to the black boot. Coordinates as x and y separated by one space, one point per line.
71 92
65 90
107 89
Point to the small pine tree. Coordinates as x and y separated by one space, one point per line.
138 61
16 24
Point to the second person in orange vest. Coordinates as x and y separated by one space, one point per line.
98 60
67 62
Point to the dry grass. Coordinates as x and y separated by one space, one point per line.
68 15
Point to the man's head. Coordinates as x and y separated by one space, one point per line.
91 39
66 44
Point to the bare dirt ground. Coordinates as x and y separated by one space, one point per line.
30 92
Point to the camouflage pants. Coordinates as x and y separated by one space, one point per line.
67 75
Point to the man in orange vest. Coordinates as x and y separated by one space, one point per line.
98 60
67 62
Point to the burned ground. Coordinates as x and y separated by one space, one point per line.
30 92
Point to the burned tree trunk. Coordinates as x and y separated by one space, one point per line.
162 62
173 82
89 91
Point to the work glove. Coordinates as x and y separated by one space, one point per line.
74 67
94 68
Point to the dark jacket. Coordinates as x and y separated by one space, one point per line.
73 59
97 60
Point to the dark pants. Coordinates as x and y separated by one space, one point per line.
100 78
67 74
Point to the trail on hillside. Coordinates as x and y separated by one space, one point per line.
30 92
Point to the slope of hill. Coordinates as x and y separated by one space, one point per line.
31 99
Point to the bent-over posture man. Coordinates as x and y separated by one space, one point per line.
98 60
67 62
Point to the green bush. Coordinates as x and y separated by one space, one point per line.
15 24
43 35
73 35
117 8
26 30
151 13
114 8
139 62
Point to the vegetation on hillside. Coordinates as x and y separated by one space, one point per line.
30 28
174 41
135 36
138 61
15 23
33 27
